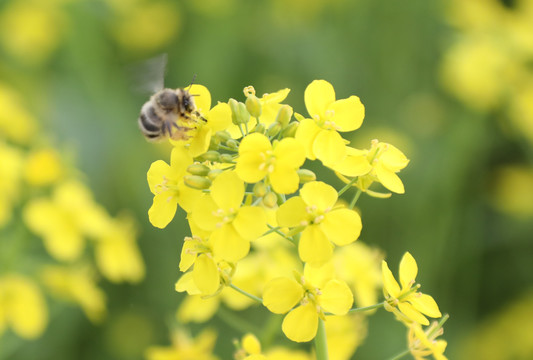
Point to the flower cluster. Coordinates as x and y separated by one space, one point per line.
264 228
44 206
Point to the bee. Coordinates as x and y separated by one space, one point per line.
169 113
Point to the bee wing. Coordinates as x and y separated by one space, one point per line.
148 76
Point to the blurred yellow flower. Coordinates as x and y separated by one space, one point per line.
11 162
77 284
22 306
344 335
43 167
513 191
13 112
423 343
185 348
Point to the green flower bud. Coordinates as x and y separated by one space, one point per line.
239 114
214 173
226 158
274 129
290 130
306 175
259 128
198 169
270 200
212 155
197 182
253 105
260 189
223 136
284 115
232 144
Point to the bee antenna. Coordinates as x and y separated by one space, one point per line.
192 82
195 94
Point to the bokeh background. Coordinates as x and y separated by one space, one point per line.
449 82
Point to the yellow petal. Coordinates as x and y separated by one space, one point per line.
187 196
289 152
306 135
250 222
157 172
314 247
319 194
227 191
413 314
408 271
336 297
219 117
163 209
301 324
348 113
318 96
249 167
390 285
329 147
292 213
179 161
187 255
256 143
194 308
284 179
203 214
425 304
282 294
200 142
228 244
393 159
354 164
342 226
205 275
186 283
389 179
201 96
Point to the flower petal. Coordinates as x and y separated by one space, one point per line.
319 194
289 152
163 209
413 314
318 96
329 147
250 222
425 304
306 135
336 297
203 214
408 271
228 244
314 247
389 179
205 275
349 113
292 213
219 117
282 294
201 96
342 226
227 191
156 174
390 285
301 324
284 179
248 167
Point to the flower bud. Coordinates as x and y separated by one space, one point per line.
198 169
239 114
290 130
274 129
212 155
197 182
306 175
232 144
251 344
226 158
270 200
284 115
259 128
253 105
260 189
223 136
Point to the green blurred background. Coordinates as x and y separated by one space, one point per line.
472 244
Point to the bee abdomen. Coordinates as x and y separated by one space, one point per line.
149 122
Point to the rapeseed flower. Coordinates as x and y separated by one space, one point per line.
406 302
185 347
232 225
423 343
320 134
306 299
22 306
166 183
323 224
258 158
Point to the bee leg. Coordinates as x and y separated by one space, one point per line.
181 132
198 115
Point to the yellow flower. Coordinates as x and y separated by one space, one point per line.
233 226
344 335
423 343
12 111
43 167
117 255
216 119
379 163
306 299
77 285
197 308
322 222
10 173
186 348
328 116
166 183
22 307
258 159
407 304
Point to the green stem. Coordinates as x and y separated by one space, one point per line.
236 322
367 308
242 131
246 128
347 186
224 147
321 345
355 198
401 355
272 229
282 234
253 297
